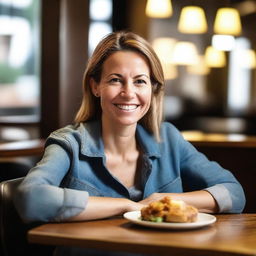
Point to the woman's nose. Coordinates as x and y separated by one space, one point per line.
128 90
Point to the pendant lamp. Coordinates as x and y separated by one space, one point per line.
200 68
215 58
163 47
223 42
227 22
192 20
185 53
159 8
249 58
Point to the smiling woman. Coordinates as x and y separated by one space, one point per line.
119 155
116 43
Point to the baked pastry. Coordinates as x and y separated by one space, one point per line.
168 210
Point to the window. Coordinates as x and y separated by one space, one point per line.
19 58
239 83
100 21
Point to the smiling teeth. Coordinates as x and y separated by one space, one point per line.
127 107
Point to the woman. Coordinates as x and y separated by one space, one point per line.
119 155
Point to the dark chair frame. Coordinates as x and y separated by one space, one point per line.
13 231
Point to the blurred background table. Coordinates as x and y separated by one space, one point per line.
17 158
22 148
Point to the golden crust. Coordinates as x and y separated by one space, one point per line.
168 210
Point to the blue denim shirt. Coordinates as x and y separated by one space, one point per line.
74 167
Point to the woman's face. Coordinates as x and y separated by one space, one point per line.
125 88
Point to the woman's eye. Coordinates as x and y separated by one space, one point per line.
140 82
115 80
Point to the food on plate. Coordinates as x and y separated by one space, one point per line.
169 210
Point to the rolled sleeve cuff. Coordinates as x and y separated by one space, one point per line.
74 202
222 196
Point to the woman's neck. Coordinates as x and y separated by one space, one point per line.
119 139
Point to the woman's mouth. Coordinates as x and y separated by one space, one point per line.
129 107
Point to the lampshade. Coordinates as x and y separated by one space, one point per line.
200 68
227 22
170 71
215 58
185 53
223 42
248 58
163 47
192 20
159 8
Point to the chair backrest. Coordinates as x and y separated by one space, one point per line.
13 231
13 168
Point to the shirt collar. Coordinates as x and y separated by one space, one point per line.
92 143
148 142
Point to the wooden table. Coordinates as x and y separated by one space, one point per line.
22 148
232 235
198 138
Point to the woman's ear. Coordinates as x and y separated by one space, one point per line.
94 87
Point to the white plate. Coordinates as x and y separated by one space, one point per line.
203 219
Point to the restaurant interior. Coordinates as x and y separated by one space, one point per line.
208 53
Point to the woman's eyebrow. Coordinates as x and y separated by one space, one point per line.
140 75
119 75
114 74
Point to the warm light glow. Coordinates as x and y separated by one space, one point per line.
159 8
170 71
247 57
185 53
200 68
227 22
223 42
246 7
163 47
215 58
192 20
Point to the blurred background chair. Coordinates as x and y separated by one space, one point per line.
13 231
17 158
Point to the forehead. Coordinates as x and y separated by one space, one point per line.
126 60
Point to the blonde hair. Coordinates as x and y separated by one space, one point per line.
119 41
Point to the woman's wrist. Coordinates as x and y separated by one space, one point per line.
132 206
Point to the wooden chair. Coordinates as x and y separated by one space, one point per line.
13 231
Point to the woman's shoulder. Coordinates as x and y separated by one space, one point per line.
168 128
66 132
78 133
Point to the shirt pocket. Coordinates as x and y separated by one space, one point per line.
74 183
173 186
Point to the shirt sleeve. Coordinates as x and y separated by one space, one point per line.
221 196
200 173
39 197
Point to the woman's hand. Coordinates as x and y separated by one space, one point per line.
134 206
201 199
154 197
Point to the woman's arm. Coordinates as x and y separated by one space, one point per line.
198 173
104 207
202 200
39 197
